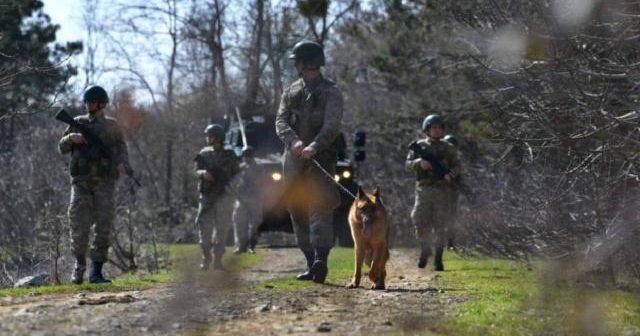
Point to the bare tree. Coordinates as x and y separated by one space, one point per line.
206 26
91 20
319 18
279 24
157 20
255 54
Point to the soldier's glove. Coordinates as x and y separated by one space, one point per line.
122 170
297 148
426 165
449 178
77 138
205 175
308 152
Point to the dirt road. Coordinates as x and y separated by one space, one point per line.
219 303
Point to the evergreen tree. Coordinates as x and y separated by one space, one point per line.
32 67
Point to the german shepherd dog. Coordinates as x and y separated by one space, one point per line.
370 231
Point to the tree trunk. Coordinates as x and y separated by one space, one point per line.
218 53
276 72
169 173
173 32
254 71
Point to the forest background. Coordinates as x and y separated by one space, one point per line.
542 95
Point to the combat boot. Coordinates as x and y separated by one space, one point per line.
96 273
319 267
206 258
437 263
240 249
78 271
425 253
252 245
307 275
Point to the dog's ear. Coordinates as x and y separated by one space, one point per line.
376 193
361 195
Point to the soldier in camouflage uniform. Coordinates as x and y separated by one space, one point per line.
93 180
215 167
432 210
308 122
451 229
247 213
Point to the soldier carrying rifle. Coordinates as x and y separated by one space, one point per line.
98 156
435 163
215 167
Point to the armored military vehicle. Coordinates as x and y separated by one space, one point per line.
268 149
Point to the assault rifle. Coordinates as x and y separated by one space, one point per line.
439 170
94 140
221 179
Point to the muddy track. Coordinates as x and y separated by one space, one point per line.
219 303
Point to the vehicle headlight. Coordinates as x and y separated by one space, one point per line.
276 176
346 174
336 177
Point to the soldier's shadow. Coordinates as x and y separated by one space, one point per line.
392 289
413 290
286 271
334 285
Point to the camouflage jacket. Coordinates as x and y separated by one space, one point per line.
311 112
442 150
221 163
87 161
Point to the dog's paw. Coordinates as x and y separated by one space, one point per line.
378 287
352 285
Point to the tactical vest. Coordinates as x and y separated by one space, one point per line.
427 175
219 163
89 160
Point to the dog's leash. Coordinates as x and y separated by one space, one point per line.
327 174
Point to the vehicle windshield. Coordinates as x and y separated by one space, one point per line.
261 135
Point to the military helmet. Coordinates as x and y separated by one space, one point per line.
247 151
95 93
215 130
450 138
311 53
431 120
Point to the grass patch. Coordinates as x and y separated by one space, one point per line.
188 256
340 271
179 256
124 282
507 298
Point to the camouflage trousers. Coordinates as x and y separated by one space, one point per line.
247 216
214 221
91 204
432 214
452 228
311 199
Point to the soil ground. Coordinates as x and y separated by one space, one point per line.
220 303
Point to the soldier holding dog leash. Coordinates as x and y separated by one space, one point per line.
308 122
